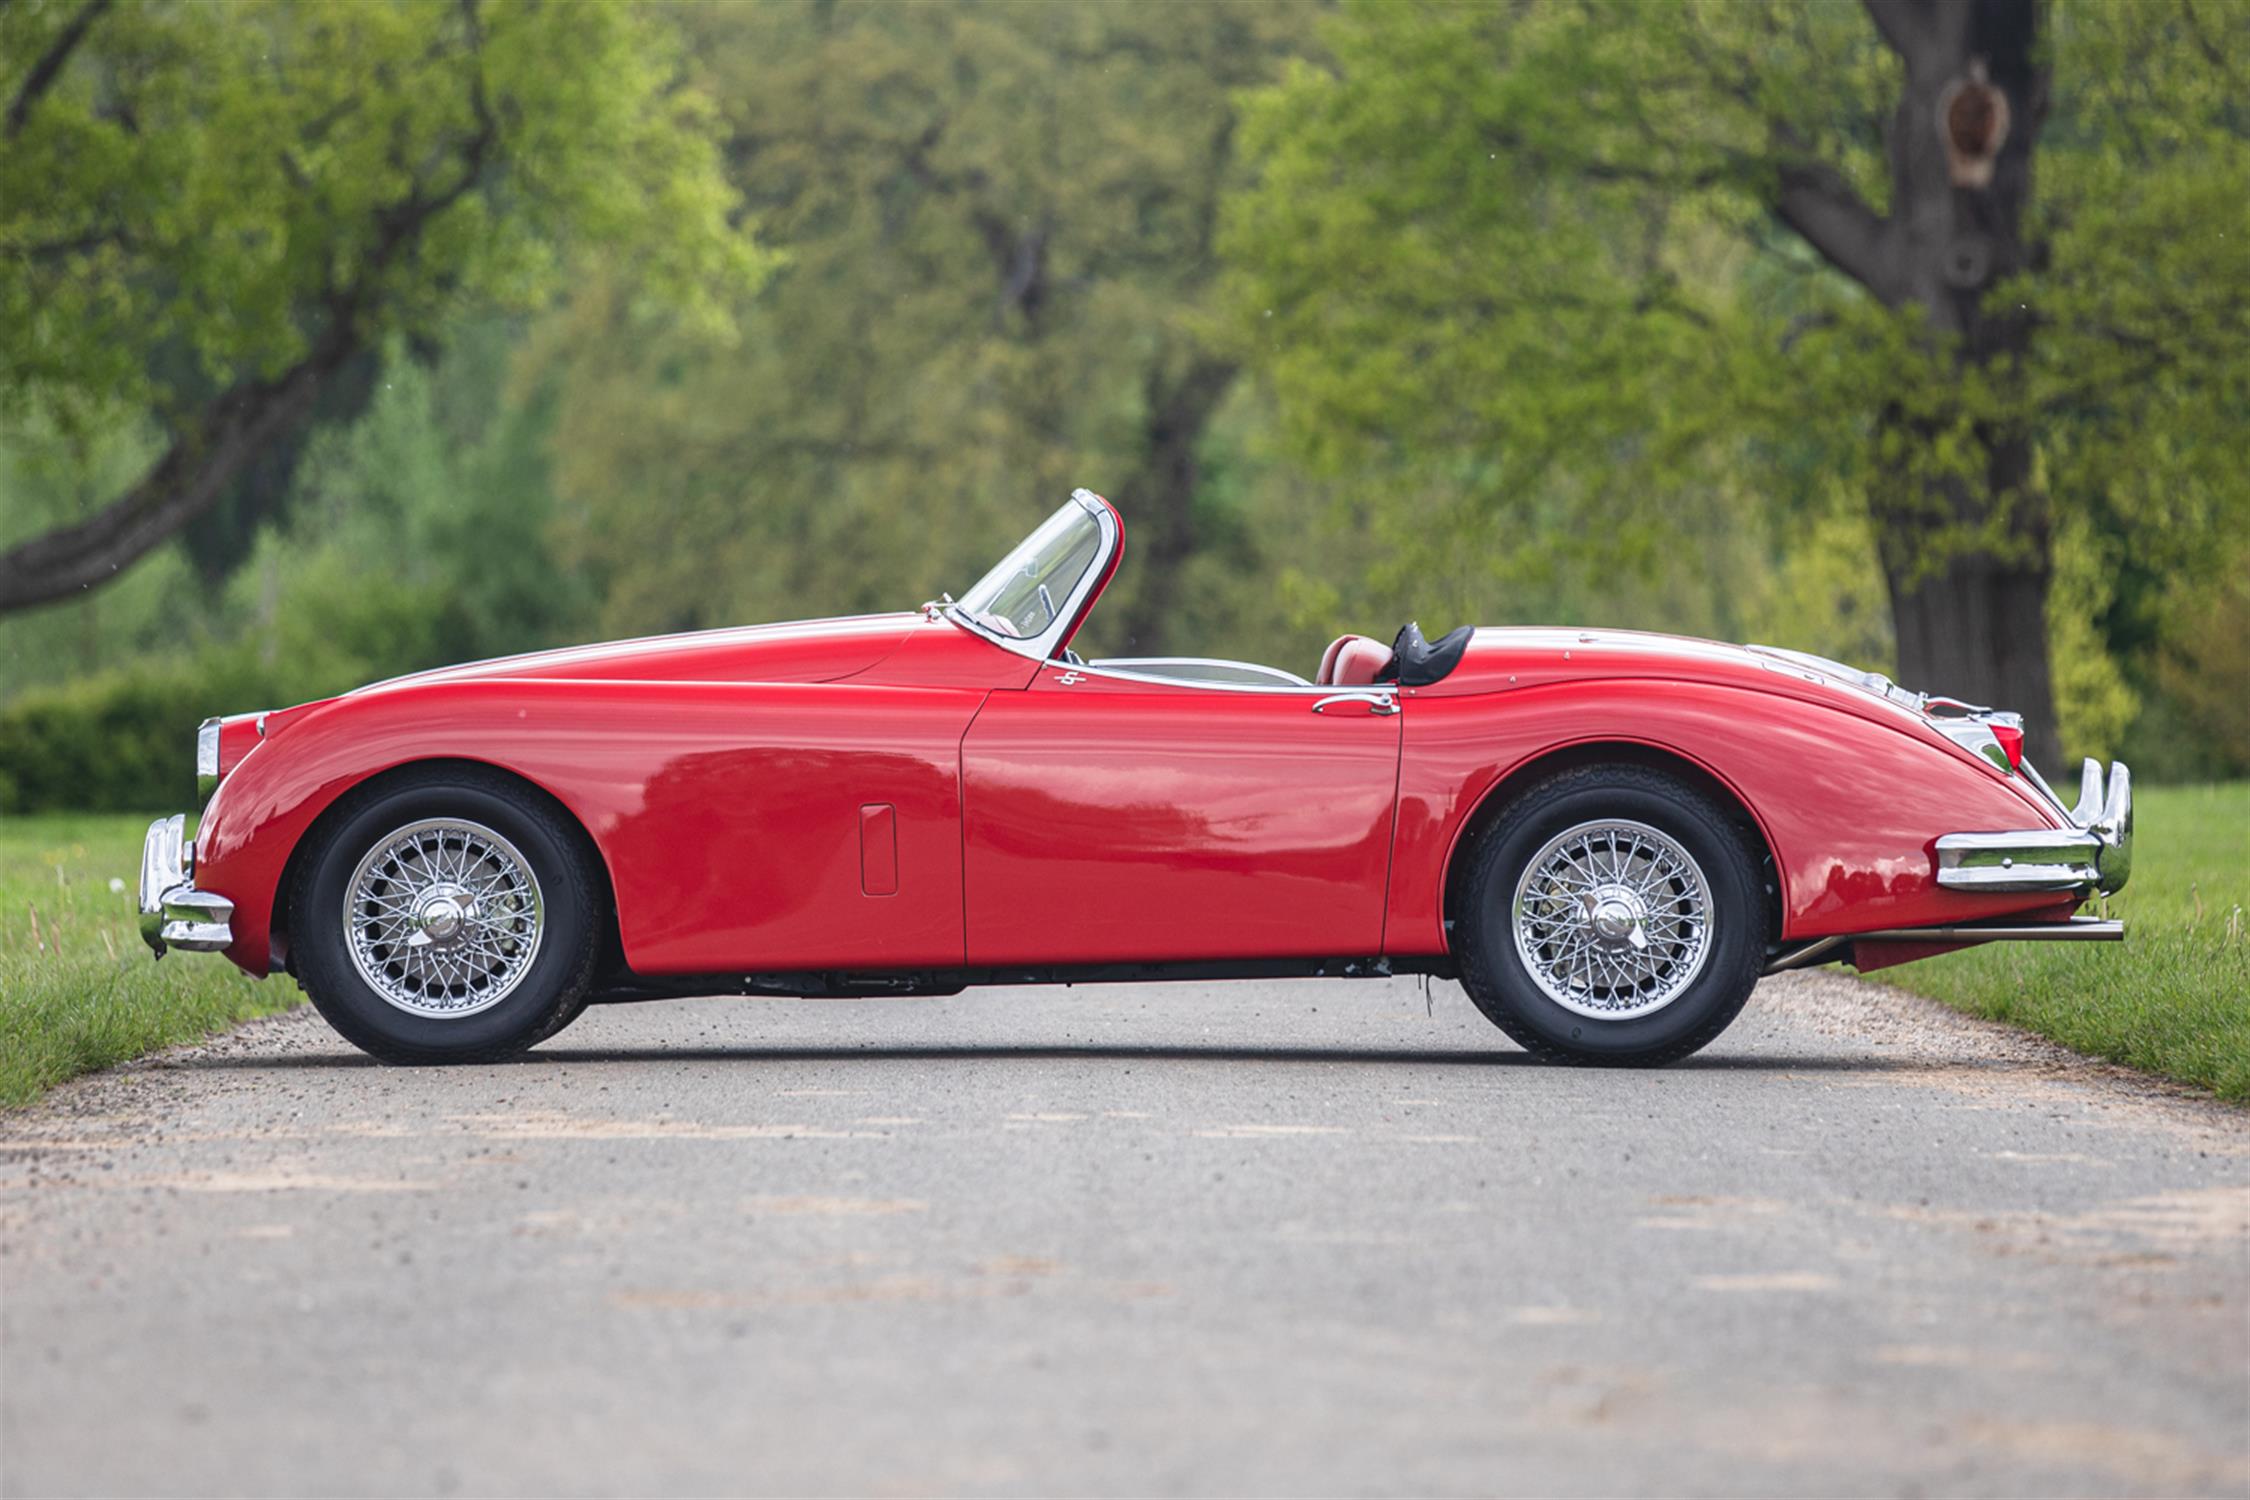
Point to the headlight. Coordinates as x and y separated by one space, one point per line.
206 759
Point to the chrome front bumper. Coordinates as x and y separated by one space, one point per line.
174 914
2096 853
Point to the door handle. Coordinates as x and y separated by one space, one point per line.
1378 703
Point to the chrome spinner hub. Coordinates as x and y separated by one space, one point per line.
1617 915
441 912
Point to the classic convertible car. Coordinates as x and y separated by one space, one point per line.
1606 836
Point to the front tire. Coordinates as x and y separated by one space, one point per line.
446 916
1612 914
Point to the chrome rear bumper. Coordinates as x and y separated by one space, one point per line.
2095 854
174 914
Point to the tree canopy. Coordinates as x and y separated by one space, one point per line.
998 224
1633 256
206 211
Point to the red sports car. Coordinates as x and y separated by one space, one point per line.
1606 836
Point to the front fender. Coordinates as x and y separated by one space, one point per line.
727 814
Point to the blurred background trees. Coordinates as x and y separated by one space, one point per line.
210 212
998 227
1973 273
1568 312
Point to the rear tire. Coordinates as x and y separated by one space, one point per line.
447 916
1612 914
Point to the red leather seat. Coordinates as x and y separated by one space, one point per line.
1352 661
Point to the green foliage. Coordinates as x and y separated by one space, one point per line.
996 222
1520 269
2169 999
2200 721
209 214
1499 389
418 539
204 188
77 989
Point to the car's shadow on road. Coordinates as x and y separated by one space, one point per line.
972 1052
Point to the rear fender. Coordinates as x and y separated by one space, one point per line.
1850 807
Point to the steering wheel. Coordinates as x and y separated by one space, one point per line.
1047 602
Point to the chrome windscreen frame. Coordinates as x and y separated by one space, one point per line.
2094 854
1042 646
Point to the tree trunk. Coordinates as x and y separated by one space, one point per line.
215 443
1975 629
1970 615
1162 493
1972 623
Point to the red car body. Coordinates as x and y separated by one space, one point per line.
905 799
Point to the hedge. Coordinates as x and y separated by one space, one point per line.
124 740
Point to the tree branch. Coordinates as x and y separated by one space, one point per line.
1728 167
47 252
1828 214
1904 25
185 482
44 72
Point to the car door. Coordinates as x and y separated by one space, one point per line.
1109 817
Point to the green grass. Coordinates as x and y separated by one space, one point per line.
2174 997
78 990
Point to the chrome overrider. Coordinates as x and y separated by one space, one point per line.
2094 854
174 914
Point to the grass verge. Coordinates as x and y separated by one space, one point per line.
77 988
2174 997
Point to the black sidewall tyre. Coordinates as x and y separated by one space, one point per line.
1493 972
548 996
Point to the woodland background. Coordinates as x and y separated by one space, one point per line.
347 339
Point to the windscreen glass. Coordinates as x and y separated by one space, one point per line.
1021 597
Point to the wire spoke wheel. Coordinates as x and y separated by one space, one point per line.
443 917
1612 919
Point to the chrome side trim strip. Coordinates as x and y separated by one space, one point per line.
1213 669
1106 668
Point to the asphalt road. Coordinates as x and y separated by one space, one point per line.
1276 1238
